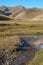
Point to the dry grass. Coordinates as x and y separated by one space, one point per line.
19 28
9 42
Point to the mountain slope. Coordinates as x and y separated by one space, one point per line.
39 16
20 12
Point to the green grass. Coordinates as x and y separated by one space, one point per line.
38 59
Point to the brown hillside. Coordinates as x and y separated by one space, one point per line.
20 12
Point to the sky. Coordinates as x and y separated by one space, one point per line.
25 3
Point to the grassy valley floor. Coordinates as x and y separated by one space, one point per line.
19 28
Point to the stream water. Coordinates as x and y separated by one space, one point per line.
41 46
36 40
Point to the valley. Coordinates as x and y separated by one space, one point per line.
21 36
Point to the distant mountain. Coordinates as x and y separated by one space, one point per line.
20 12
17 10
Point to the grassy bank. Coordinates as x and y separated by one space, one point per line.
38 59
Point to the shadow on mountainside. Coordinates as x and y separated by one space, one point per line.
2 17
